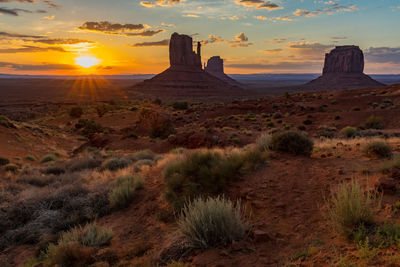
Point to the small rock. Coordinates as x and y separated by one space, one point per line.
261 236
386 184
340 171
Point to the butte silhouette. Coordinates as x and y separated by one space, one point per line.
343 69
185 76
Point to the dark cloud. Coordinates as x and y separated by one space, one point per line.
164 42
17 11
47 2
17 35
147 33
110 28
51 4
161 3
42 67
383 54
59 41
31 49
259 4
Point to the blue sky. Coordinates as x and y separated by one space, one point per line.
253 36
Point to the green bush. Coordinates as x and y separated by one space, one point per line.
4 161
11 168
349 132
116 164
292 142
210 222
48 158
206 173
374 122
141 155
75 112
379 149
350 208
30 158
121 196
88 127
180 105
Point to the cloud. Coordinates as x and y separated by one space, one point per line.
273 19
42 67
277 41
240 40
164 42
49 3
17 35
31 49
191 15
383 54
338 38
259 4
148 33
303 13
230 18
110 28
163 3
61 41
333 6
17 11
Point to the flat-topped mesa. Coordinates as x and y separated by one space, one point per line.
344 59
215 64
181 54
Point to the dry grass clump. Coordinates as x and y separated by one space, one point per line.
124 191
116 164
89 161
379 149
91 235
350 207
263 142
209 222
292 142
206 173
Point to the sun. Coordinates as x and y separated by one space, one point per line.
86 61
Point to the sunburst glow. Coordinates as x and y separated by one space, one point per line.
86 61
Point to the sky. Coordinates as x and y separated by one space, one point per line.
107 37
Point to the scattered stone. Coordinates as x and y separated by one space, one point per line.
340 171
261 236
386 184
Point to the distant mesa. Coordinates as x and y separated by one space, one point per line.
185 76
215 67
343 69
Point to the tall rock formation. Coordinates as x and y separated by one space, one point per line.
181 54
215 66
185 76
343 69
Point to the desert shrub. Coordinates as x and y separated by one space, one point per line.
350 208
366 252
162 129
292 142
48 158
11 168
36 180
178 150
307 122
379 149
348 132
143 162
142 155
209 222
5 122
91 235
75 112
180 105
102 110
205 173
63 205
30 158
116 164
178 264
90 161
264 142
88 127
69 254
374 122
4 161
121 196
54 169
387 165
